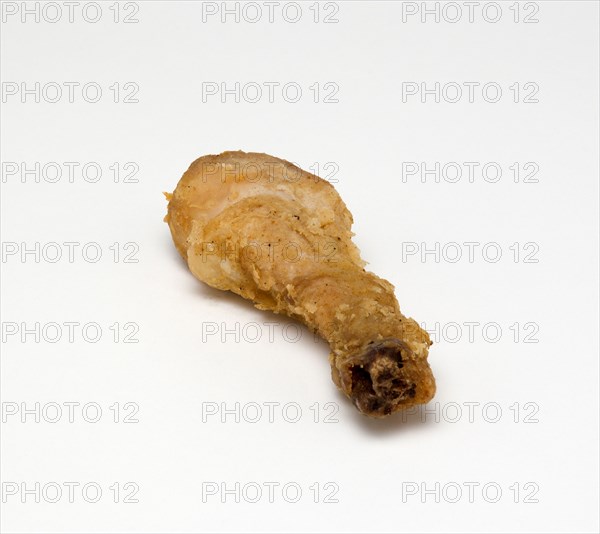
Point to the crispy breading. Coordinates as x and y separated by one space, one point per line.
281 237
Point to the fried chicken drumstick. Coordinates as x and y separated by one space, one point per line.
261 227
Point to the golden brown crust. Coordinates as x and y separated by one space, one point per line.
267 230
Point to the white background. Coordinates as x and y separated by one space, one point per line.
171 375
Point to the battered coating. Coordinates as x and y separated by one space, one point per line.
265 229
